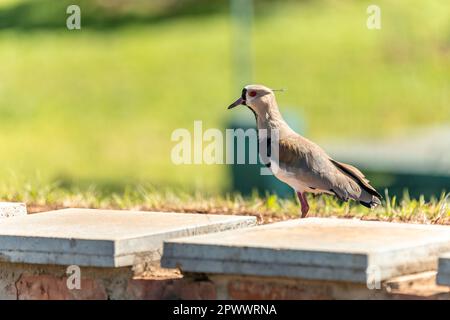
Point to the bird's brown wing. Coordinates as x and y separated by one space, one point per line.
317 170
312 166
357 175
298 152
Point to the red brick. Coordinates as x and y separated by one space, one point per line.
151 289
259 290
48 287
197 290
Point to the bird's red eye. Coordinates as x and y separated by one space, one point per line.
252 93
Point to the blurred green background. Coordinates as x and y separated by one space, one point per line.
98 105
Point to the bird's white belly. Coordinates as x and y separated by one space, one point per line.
295 181
291 179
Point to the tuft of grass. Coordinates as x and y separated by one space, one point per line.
268 208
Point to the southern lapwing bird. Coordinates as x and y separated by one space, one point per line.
302 164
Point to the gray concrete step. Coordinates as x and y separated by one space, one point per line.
314 248
101 238
443 276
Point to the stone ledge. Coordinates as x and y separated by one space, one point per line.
315 249
102 238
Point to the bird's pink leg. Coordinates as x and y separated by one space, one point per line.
303 203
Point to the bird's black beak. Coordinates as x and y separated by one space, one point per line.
239 101
236 103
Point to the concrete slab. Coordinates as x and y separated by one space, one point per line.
12 209
443 276
314 248
103 238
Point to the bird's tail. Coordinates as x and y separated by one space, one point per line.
374 202
369 197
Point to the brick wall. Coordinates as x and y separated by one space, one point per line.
42 282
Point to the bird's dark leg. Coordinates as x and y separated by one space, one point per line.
303 203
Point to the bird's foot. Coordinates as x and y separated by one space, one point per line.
304 211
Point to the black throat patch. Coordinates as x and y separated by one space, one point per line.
244 93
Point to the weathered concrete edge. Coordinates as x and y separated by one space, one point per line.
269 270
141 244
443 279
294 271
179 250
443 275
11 243
12 209
402 261
419 258
65 259
339 266
102 253
60 258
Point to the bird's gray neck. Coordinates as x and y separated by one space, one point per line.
271 119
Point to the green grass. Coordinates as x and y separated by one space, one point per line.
269 208
98 106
